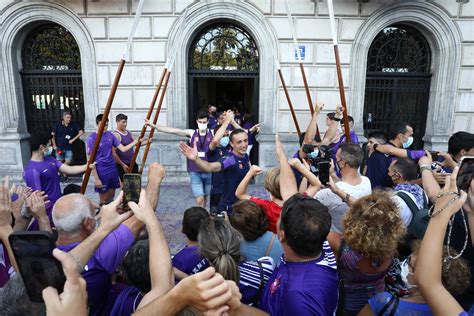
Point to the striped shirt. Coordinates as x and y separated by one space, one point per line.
250 278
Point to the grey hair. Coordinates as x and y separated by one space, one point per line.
219 242
352 154
71 220
14 300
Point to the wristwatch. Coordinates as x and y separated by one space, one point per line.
346 198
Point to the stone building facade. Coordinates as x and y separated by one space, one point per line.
100 29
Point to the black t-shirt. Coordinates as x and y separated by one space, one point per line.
63 134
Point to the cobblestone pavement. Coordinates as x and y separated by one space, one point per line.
174 199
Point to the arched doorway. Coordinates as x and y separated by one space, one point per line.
398 81
51 77
223 70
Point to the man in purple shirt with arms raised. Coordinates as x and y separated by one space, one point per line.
42 171
234 166
106 176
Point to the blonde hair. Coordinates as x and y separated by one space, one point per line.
219 242
272 182
373 226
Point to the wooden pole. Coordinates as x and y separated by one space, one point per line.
100 130
342 94
295 120
155 119
148 115
308 95
339 71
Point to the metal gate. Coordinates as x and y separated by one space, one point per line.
398 81
394 98
51 77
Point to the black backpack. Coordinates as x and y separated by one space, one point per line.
420 220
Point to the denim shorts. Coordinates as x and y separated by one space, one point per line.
65 155
201 183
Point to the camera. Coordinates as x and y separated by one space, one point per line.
319 164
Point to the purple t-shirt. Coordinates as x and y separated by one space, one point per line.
102 265
6 269
44 176
125 139
104 158
189 261
234 168
202 143
127 300
303 288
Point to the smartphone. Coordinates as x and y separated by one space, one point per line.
39 269
465 173
323 167
132 185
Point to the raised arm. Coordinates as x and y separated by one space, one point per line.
171 130
429 259
430 185
161 269
123 148
229 117
331 133
241 191
288 185
312 128
204 290
5 220
36 204
192 154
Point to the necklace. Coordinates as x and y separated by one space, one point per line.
449 258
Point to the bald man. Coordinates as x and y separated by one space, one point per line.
101 249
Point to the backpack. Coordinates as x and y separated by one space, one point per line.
420 220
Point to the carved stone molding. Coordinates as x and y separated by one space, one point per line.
445 42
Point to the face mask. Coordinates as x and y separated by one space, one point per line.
224 141
314 154
202 126
48 151
408 143
404 272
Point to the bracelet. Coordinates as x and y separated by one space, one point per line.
424 168
431 211
447 193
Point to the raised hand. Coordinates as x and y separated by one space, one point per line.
5 203
35 202
143 210
73 300
295 163
445 202
318 107
254 169
19 195
279 150
190 152
110 218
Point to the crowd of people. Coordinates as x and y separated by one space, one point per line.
390 232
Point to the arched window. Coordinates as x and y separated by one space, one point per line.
224 47
399 49
51 77
398 81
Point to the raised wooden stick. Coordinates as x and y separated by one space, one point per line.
148 115
155 120
100 131
298 54
290 104
342 94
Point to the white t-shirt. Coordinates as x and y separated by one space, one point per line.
405 211
336 207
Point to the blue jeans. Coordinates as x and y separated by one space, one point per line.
200 183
